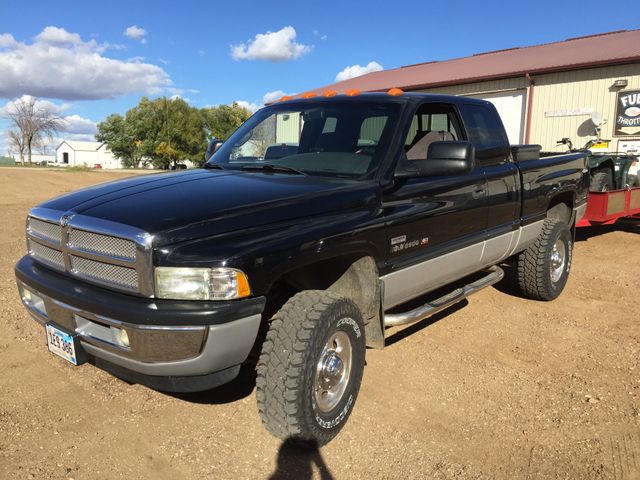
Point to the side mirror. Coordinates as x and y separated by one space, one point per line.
443 158
214 145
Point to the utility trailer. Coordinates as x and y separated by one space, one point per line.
605 208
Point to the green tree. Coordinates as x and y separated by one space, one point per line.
120 138
223 120
162 131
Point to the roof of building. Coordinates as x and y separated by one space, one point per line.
85 146
603 49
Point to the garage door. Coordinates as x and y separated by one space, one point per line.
511 107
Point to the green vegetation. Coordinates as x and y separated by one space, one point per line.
164 131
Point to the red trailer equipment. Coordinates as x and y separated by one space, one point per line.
605 208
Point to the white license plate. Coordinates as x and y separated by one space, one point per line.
61 343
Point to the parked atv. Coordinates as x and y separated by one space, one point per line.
608 171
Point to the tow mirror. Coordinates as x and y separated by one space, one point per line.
214 145
443 158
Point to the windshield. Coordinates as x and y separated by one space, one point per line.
342 139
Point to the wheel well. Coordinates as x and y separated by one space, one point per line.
561 207
352 276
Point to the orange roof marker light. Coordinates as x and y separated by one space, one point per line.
352 92
329 93
395 92
309 95
285 98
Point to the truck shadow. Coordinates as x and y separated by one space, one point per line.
623 225
296 463
240 387
509 284
422 324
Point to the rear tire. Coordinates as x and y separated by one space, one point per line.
601 182
543 268
311 366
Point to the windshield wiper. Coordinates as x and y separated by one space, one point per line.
269 167
217 166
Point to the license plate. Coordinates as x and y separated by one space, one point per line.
61 343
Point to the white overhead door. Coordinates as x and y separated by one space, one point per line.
511 107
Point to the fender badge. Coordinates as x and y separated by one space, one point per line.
400 239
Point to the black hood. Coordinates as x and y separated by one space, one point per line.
180 206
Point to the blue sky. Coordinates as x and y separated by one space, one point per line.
90 59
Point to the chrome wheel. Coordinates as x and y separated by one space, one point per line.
333 371
558 260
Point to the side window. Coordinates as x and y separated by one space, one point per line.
484 127
431 123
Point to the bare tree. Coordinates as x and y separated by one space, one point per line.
33 122
16 142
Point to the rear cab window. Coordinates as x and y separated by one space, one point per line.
486 132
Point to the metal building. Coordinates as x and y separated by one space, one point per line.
544 92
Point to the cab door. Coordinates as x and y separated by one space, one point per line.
493 157
435 225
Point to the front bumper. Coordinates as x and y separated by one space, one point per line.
165 338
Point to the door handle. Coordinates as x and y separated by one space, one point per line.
478 192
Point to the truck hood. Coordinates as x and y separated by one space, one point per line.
175 207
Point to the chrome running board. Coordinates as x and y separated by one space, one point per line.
494 275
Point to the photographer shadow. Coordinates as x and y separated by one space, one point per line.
296 462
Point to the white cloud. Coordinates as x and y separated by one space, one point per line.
252 107
357 70
270 97
59 64
136 33
271 46
58 36
78 125
316 33
7 40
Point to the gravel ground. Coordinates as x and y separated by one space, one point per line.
497 387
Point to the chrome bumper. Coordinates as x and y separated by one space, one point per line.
149 349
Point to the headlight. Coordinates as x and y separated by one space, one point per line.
180 283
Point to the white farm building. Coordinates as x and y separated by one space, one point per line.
86 154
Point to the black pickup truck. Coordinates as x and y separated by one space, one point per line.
303 258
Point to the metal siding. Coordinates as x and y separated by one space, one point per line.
591 88
372 128
288 131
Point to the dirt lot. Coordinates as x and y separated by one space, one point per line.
501 387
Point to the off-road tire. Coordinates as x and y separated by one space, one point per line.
286 371
535 263
601 182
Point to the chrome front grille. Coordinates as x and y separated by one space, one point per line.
98 251
50 256
45 230
104 272
102 244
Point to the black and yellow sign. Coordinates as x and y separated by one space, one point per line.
628 113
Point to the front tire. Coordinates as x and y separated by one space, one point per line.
311 366
543 268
